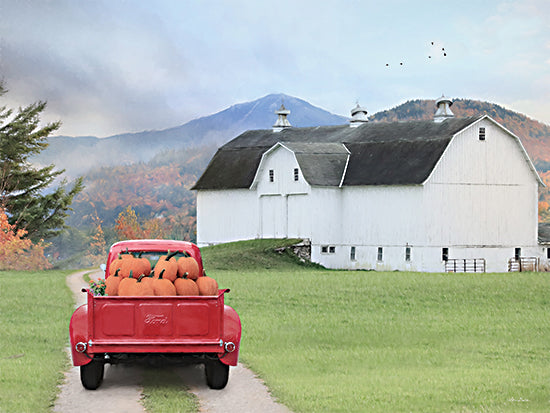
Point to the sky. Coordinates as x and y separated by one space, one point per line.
116 66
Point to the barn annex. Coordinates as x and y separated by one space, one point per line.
414 196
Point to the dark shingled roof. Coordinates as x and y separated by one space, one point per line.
397 153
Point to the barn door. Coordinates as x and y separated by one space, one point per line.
273 216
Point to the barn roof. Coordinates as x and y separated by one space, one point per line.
379 153
321 164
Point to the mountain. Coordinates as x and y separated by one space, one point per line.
209 131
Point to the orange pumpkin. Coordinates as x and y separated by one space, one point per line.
142 288
167 265
207 285
129 264
190 266
163 286
117 263
112 282
125 288
143 266
186 286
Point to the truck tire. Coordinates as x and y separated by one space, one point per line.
91 374
217 374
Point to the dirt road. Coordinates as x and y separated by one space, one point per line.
121 390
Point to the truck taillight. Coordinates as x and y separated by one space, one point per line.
230 347
80 347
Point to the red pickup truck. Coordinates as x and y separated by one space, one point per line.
185 329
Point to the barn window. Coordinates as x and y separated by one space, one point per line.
517 253
380 254
324 249
332 249
296 174
407 253
352 254
445 254
271 175
482 134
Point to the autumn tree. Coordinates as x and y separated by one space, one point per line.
128 226
16 252
25 192
97 249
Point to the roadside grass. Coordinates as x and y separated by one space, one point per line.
163 392
339 341
35 308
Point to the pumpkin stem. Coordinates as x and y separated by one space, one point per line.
170 255
116 272
141 277
162 273
131 274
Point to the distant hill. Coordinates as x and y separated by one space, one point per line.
79 154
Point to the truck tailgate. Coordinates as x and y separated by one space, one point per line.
156 324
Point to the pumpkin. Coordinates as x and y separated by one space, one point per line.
126 284
117 263
207 285
142 288
112 282
186 286
188 265
143 266
170 266
129 264
163 286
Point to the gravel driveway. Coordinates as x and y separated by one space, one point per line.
121 392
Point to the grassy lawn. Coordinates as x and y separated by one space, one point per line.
324 341
337 341
35 308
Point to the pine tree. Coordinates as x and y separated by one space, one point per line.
25 191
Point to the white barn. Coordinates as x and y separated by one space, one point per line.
385 196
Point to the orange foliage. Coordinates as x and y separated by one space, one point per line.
97 249
127 226
18 253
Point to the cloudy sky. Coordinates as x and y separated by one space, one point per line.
115 66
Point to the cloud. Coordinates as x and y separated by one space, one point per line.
109 67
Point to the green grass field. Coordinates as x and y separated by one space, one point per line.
35 308
324 341
337 341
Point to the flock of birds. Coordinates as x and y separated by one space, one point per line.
443 52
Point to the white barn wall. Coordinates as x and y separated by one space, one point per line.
480 202
226 215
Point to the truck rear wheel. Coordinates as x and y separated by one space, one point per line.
91 374
217 374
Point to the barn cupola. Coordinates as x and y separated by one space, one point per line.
443 109
282 121
358 116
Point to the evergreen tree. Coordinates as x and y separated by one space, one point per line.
24 189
